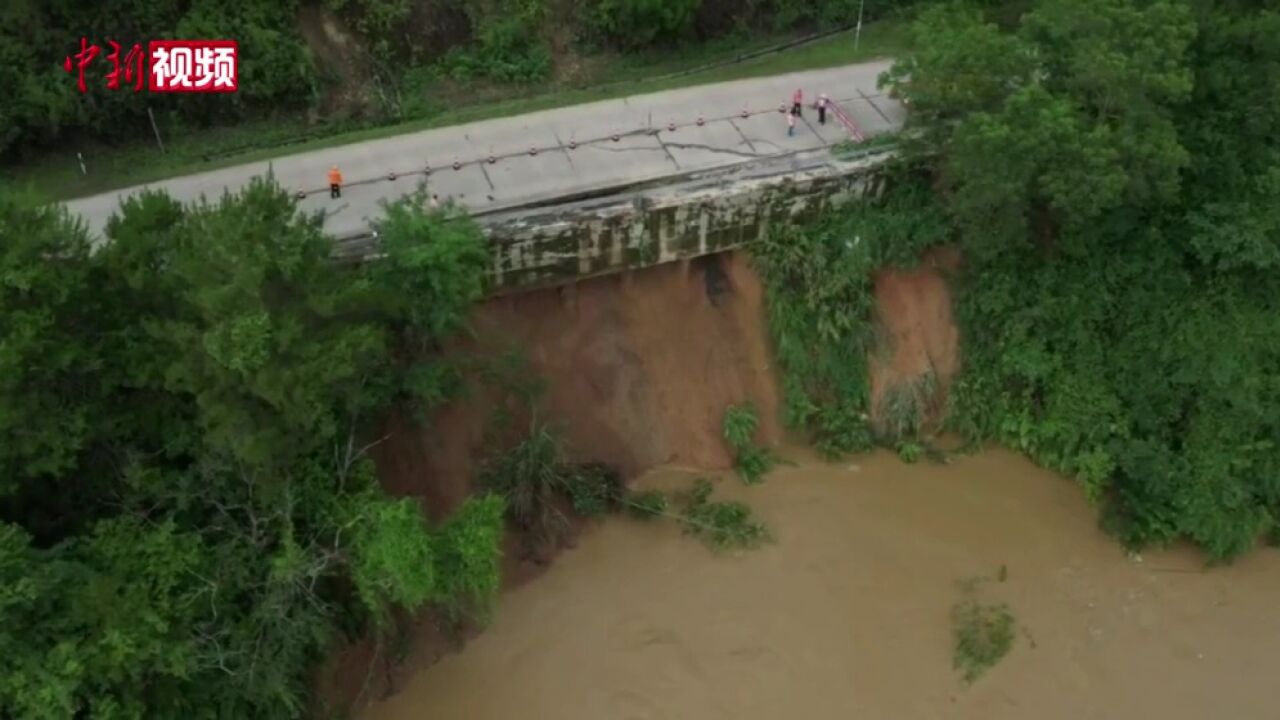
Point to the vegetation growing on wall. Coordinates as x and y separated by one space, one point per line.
188 514
820 306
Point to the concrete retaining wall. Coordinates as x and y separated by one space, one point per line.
560 244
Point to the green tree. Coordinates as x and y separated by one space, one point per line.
1232 126
50 402
189 514
1051 126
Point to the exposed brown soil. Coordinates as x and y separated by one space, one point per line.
638 370
916 332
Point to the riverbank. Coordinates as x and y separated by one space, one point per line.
847 613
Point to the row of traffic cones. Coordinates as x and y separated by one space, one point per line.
492 159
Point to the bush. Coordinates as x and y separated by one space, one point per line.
739 427
535 478
722 525
506 44
468 569
633 24
910 451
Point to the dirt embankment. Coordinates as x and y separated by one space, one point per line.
916 332
637 371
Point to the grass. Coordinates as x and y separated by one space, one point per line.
57 176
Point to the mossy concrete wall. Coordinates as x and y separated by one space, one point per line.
560 244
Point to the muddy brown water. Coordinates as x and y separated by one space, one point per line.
846 615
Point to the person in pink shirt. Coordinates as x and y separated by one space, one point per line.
797 101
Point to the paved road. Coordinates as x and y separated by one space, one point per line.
575 148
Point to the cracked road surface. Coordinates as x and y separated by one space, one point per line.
557 152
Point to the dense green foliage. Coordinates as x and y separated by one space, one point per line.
43 106
643 23
188 512
1111 170
502 46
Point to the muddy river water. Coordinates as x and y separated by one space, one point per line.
846 614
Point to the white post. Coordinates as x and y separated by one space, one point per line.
156 129
857 34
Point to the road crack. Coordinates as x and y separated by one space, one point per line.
709 148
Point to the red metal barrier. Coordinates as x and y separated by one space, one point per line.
846 120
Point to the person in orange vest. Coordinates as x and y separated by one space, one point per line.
335 182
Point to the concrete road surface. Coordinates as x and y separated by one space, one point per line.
553 153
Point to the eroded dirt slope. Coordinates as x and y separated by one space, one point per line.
637 371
